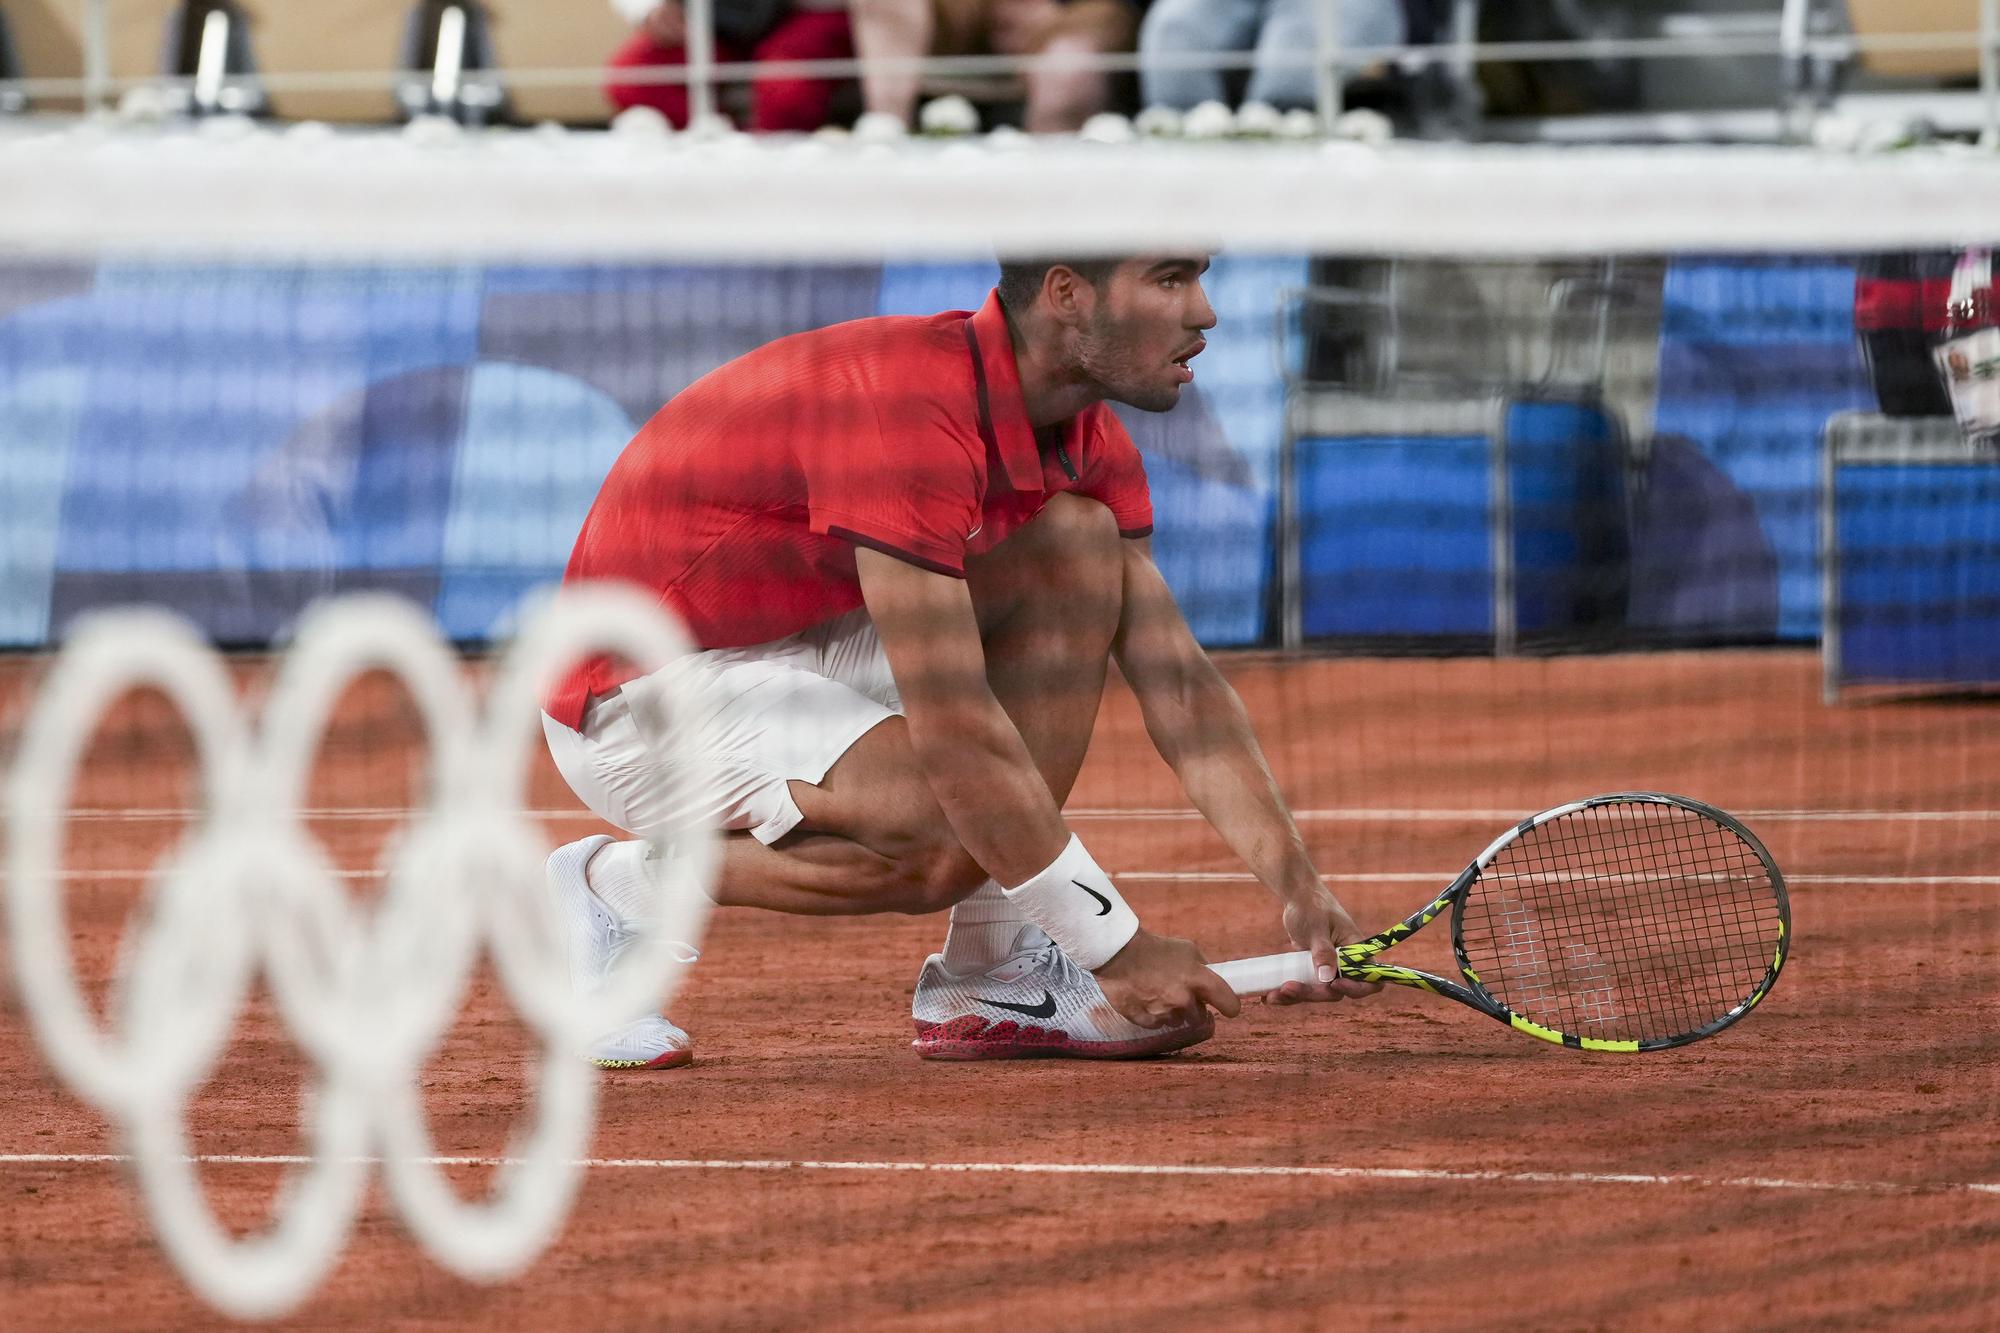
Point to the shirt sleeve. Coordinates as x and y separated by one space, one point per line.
1115 477
911 488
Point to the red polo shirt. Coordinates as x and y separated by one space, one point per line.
741 502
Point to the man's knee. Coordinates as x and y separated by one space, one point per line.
1084 566
1062 574
1078 519
1073 544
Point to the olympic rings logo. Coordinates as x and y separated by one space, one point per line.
367 994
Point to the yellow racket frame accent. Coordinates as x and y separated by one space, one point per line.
1358 961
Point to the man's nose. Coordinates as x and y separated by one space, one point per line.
1204 313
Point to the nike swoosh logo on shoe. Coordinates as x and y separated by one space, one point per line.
1103 903
1046 1009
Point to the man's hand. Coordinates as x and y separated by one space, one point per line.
1319 924
1156 981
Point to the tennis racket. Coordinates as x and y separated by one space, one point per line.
1629 922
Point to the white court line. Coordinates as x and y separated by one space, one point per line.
154 872
1379 1173
1362 814
1509 817
1438 877
1095 814
1444 877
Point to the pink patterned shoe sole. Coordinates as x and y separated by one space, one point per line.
675 1059
974 1038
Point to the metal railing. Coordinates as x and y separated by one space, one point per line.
1794 41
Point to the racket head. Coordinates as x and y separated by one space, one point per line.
1635 921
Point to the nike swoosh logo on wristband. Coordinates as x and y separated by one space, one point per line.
1103 903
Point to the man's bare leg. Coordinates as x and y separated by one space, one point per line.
892 30
873 838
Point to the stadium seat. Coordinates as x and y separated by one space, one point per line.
391 35
532 34
332 36
1755 357
1875 18
42 43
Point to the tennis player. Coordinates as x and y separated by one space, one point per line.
908 549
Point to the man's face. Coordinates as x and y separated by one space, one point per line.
1144 325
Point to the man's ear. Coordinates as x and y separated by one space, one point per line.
1070 295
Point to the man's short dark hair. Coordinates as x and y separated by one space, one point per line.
1021 279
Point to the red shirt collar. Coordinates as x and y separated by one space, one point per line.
1003 416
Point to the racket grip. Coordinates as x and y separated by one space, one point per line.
1254 976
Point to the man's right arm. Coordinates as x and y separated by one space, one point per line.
986 782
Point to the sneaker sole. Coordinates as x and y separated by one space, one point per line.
668 1060
974 1038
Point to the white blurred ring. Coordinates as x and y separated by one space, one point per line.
367 993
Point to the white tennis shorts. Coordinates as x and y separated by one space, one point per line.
778 712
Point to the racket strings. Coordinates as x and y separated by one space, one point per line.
1624 921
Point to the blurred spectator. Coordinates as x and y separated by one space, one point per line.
744 29
1059 100
1567 87
1284 34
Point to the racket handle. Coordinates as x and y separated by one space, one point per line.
1254 976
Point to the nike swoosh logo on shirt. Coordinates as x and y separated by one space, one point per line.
1103 903
1046 1009
976 531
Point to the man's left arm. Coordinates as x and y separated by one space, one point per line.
1202 730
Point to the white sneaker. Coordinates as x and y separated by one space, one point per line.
598 937
1036 1004
644 1043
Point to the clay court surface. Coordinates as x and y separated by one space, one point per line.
1832 1162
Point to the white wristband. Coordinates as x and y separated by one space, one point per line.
1075 904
